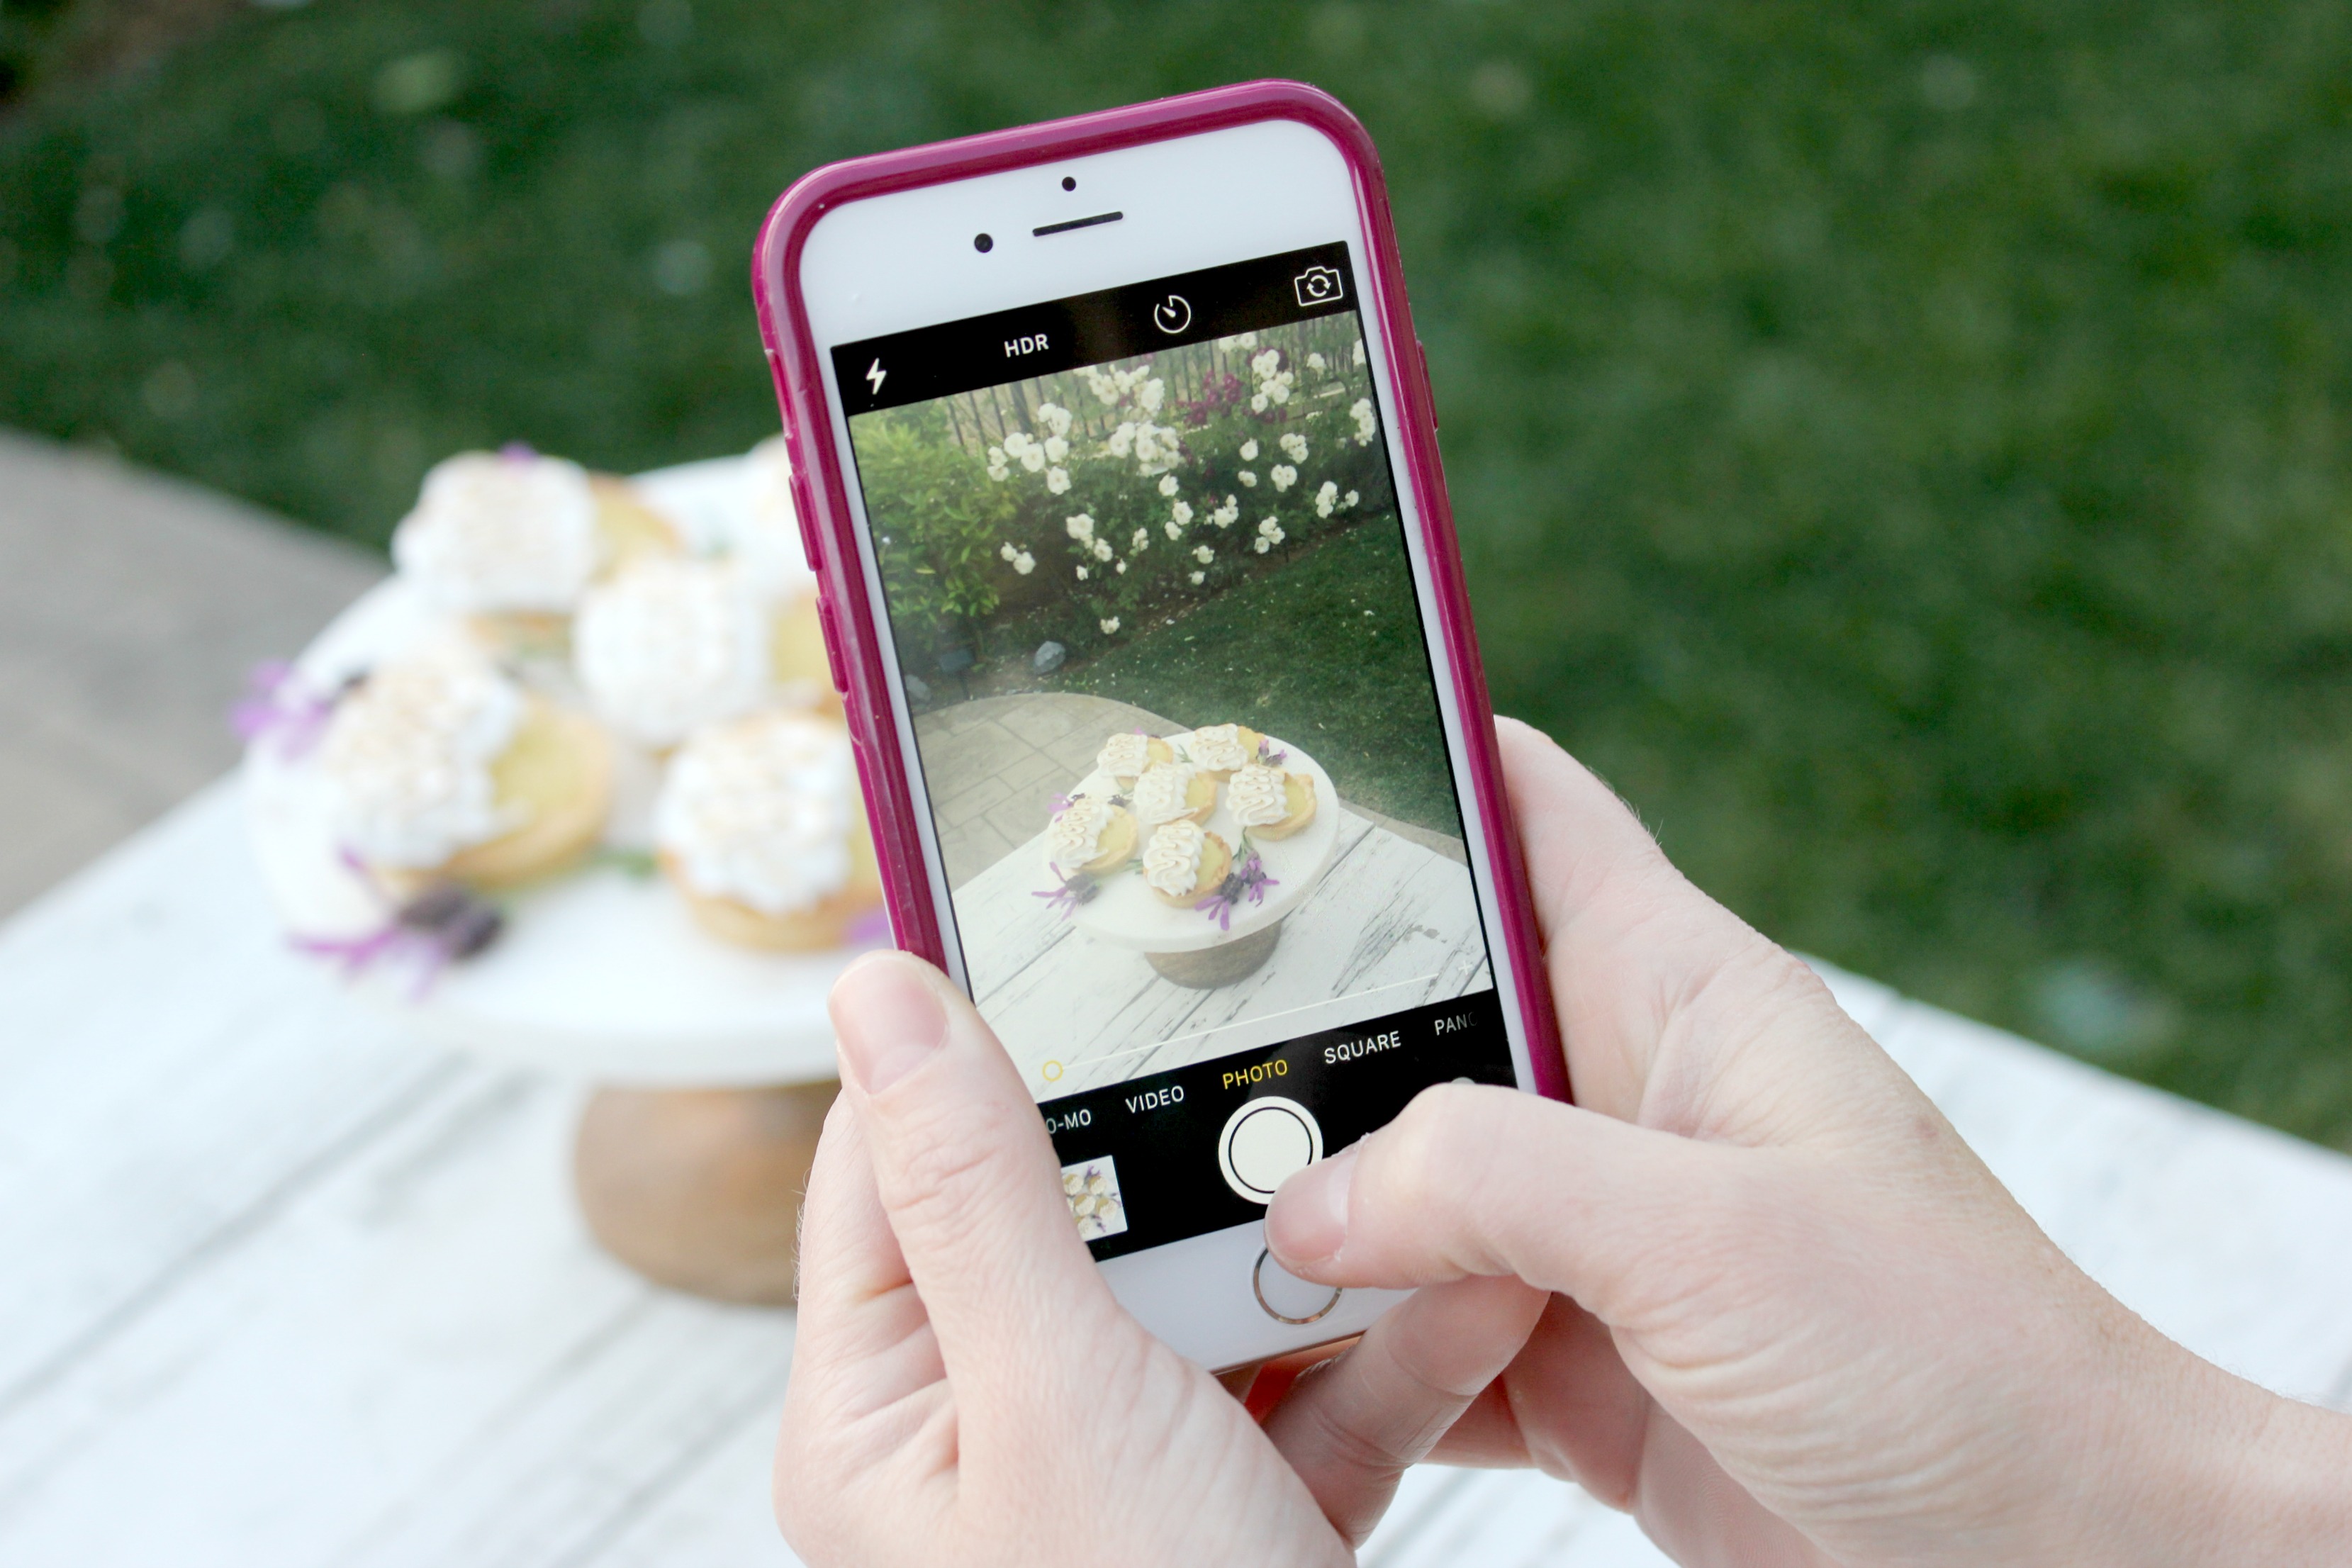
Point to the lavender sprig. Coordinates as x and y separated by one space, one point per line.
281 708
1246 881
445 923
1072 891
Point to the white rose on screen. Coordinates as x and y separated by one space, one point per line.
1025 564
1168 485
1265 364
1351 498
1249 450
1315 364
1122 440
1110 626
996 466
1081 527
1224 516
1295 445
1262 545
1257 403
1102 549
1360 353
1056 419
1248 479
1182 512
1246 341
1362 413
1285 475
1172 530
1203 555
1326 497
1278 389
1199 577
1056 448
1275 535
1141 540
1032 457
1082 574
1057 481
1120 568
1007 550
1269 527
1154 392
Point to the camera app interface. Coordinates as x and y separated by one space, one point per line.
1146 578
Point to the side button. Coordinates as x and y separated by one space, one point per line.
805 515
832 628
1428 386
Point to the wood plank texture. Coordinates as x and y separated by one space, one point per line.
285 1288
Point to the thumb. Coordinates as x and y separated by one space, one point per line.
965 1172
1485 1181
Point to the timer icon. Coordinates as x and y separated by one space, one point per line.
1173 315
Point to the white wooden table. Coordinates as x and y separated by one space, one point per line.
278 1287
1392 925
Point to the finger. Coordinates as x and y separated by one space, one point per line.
1351 1426
1475 1180
967 1177
859 1312
868 1388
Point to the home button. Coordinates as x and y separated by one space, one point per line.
1288 1299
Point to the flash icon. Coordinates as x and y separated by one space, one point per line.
874 374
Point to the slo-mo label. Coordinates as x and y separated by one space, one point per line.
1256 1072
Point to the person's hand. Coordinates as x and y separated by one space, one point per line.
965 1389
1796 1320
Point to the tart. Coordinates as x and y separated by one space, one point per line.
670 646
511 539
758 827
438 766
1269 802
1124 757
1090 835
1219 750
1172 792
1184 863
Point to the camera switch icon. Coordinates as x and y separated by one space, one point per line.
1319 286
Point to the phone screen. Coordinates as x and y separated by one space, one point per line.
1147 581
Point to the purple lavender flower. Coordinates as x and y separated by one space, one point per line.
1248 881
1073 891
443 924
281 708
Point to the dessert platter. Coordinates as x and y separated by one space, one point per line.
571 787
1191 848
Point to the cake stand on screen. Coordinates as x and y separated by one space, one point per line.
1185 944
714 1063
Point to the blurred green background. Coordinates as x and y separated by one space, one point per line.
1902 446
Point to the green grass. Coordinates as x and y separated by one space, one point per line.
1317 653
1903 445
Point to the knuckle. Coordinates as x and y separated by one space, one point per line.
937 1171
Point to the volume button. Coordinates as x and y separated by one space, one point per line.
832 629
805 515
1428 386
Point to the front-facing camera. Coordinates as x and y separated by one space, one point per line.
1069 182
981 243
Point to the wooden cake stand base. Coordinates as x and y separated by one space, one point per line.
1204 969
699 1189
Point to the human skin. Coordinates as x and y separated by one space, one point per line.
1786 1315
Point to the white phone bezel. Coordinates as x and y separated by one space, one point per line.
895 262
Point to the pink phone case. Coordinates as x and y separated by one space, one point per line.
820 488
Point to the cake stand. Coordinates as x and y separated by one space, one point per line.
715 1065
1190 946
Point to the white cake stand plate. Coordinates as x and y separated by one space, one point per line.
601 972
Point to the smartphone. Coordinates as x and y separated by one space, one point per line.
1115 454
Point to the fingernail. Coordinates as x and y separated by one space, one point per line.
1307 1221
888 1021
